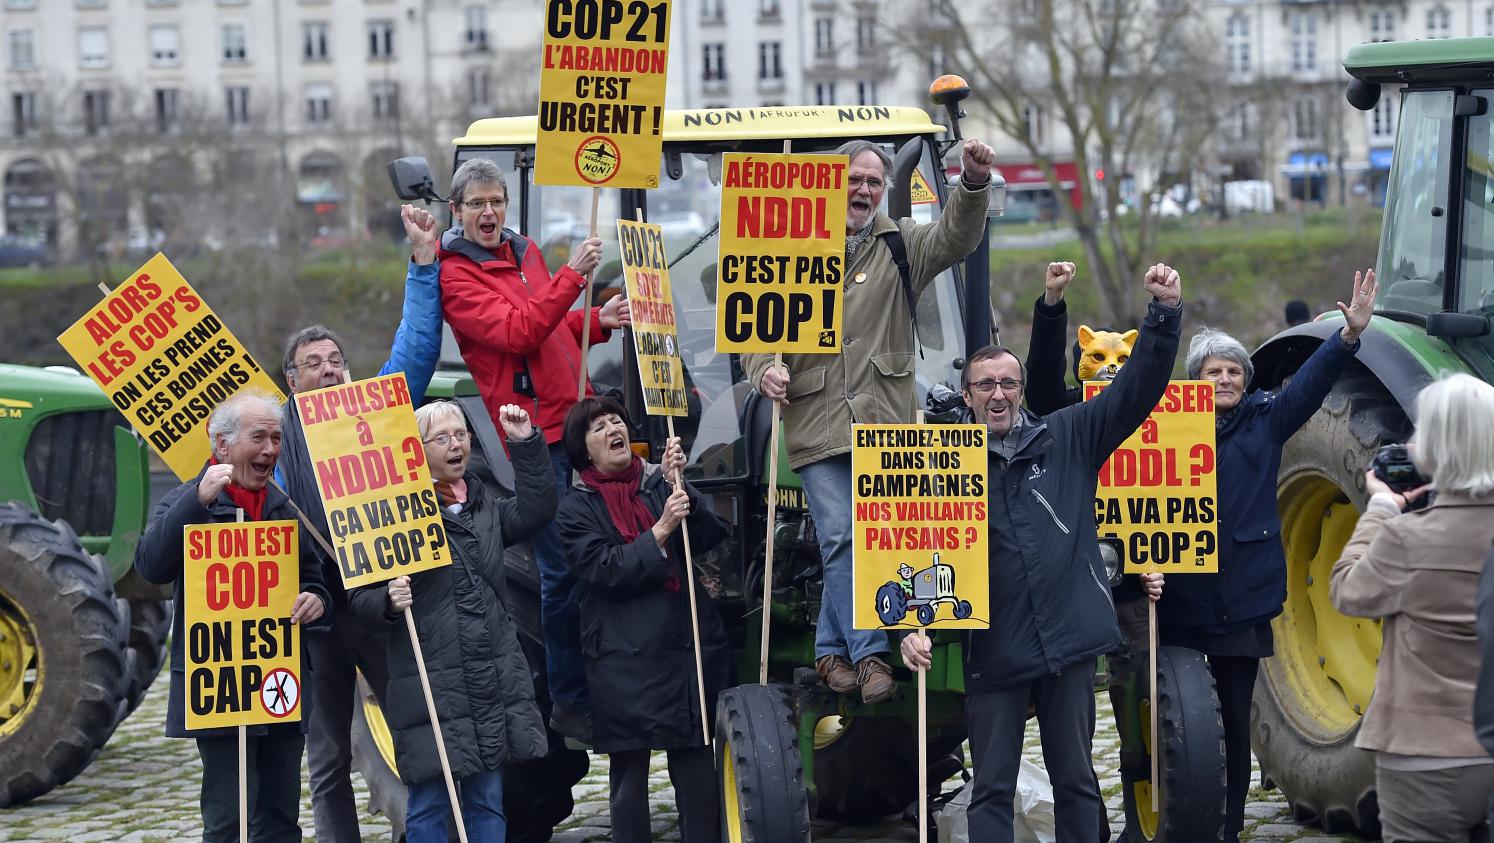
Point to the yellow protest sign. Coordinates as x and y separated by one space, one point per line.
922 194
782 253
1157 491
239 583
920 551
165 360
370 468
601 109
656 338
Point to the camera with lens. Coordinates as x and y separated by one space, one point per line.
1392 464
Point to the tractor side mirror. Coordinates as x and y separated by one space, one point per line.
412 180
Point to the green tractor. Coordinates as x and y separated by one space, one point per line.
1436 272
81 636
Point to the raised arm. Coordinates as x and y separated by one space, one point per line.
1047 390
936 246
533 503
1304 393
417 340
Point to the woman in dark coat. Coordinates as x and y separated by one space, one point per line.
620 527
478 675
1227 616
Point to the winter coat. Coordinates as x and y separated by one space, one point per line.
1047 391
479 677
871 380
1483 695
635 633
1050 603
1419 571
417 347
1250 587
158 559
510 317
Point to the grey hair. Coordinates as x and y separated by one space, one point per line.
428 415
1454 443
1212 342
228 416
853 148
474 172
306 336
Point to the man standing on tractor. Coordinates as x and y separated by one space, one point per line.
314 358
888 264
246 435
1051 611
518 334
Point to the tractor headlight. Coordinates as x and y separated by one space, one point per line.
1110 555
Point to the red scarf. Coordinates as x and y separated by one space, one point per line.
625 506
253 503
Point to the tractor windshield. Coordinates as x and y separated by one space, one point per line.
1414 237
1477 293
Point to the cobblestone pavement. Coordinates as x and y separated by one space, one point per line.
143 787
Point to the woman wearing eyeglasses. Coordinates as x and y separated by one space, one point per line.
479 677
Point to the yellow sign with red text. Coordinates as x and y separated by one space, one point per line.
239 583
370 468
920 551
656 338
165 360
1157 491
782 253
601 108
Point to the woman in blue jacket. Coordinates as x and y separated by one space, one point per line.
1227 616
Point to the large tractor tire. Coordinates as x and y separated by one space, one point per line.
373 758
150 626
62 655
1191 731
763 797
1312 693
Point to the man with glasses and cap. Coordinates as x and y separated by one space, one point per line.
315 358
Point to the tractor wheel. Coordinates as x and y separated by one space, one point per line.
373 757
963 609
1191 801
62 655
926 613
1314 690
867 767
763 799
892 603
150 625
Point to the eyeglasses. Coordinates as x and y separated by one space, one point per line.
479 204
314 363
871 182
1008 385
441 440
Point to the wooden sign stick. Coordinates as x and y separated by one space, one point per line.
596 200
762 667
430 707
1151 632
923 750
243 749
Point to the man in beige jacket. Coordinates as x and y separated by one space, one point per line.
871 381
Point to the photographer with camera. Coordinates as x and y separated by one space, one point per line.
1227 616
1419 571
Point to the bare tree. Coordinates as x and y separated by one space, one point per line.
1133 83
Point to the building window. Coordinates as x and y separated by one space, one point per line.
164 45
477 27
1304 41
824 93
711 11
167 117
93 47
1239 122
1033 121
1439 22
1382 25
866 34
385 100
381 39
95 111
22 49
866 92
237 103
769 60
1305 120
1489 21
713 66
235 43
319 104
23 113
479 88
1237 43
824 36
316 41
1382 118
20 5
767 8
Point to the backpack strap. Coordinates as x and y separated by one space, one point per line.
894 241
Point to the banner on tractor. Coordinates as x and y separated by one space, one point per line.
601 108
370 468
1157 491
782 253
656 337
921 551
165 360
239 583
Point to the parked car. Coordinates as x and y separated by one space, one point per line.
18 251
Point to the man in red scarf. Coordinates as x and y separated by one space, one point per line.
245 431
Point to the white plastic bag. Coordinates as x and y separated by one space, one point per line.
1032 810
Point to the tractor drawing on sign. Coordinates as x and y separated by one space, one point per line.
922 592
